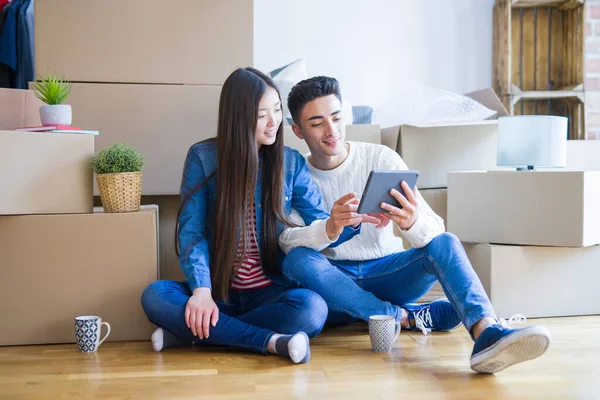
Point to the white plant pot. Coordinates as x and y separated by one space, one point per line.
56 114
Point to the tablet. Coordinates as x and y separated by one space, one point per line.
377 189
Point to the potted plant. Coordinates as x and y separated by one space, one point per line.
119 177
53 90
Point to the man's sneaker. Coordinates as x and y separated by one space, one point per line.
499 346
439 315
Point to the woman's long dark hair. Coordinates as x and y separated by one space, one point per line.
237 172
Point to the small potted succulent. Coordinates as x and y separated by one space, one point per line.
53 90
119 177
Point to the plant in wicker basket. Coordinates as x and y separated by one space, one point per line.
119 177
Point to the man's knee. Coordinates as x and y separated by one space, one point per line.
303 263
448 240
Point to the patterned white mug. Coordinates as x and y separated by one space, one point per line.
87 332
383 331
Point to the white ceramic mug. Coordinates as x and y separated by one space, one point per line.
87 332
383 331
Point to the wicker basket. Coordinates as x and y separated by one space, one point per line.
120 192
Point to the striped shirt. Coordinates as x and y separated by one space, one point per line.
250 274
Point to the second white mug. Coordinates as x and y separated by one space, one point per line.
383 332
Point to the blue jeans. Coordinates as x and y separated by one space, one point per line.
359 289
247 321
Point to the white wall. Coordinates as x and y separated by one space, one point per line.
375 46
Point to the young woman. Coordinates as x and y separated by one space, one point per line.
237 192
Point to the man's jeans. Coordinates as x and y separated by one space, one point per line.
247 321
359 289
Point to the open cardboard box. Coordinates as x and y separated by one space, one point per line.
437 149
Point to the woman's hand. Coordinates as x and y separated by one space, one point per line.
201 312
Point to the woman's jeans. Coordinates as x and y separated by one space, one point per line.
247 320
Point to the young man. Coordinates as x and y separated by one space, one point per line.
372 273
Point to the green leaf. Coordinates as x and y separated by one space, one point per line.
52 89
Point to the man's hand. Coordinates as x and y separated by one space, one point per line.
201 312
406 216
382 220
343 213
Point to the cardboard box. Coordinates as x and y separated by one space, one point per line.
438 149
161 121
45 173
538 281
55 267
542 208
354 133
583 155
437 200
18 108
149 41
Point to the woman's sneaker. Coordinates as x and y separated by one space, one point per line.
499 346
439 315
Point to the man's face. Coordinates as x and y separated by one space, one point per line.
322 126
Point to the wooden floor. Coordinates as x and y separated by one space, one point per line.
342 367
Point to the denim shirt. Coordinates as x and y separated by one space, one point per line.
197 217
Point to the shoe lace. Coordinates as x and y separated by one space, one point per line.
514 319
423 320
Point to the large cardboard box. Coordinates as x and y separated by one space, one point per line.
438 149
55 267
144 41
539 281
18 108
45 173
583 155
161 121
542 208
354 133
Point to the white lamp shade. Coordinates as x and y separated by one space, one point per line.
532 140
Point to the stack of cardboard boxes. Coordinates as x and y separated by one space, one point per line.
149 74
532 236
60 257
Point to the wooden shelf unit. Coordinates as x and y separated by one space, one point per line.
538 58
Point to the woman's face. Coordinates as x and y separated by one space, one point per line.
269 118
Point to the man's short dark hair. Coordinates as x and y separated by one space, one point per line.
310 89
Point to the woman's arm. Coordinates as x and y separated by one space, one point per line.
194 252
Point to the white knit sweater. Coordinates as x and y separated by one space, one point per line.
351 176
